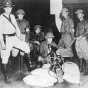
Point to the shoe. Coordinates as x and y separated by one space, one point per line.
6 80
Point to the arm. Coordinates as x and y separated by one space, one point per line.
1 35
16 25
72 26
77 30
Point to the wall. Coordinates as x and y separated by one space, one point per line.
75 1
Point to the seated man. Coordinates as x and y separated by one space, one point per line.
47 46
36 37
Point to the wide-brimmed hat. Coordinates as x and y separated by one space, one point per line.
49 35
79 11
20 11
7 3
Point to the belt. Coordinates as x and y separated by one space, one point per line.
4 36
13 34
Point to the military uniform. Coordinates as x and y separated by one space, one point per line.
82 28
9 36
81 42
67 32
37 36
47 48
67 36
24 26
35 40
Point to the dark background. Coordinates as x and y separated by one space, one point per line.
37 11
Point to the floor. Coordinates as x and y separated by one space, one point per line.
15 83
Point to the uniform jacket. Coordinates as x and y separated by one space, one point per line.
23 24
82 28
44 48
67 31
8 26
67 26
37 37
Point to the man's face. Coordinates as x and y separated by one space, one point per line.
20 16
8 10
37 30
80 16
49 40
65 14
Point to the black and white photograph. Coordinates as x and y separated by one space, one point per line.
43 43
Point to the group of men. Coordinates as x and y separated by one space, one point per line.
15 35
69 34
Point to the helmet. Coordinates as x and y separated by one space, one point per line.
20 11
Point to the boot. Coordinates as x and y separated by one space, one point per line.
4 71
27 62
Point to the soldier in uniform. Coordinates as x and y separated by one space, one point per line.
67 28
67 33
24 27
9 36
47 46
82 26
81 30
36 36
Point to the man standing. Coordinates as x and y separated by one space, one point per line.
67 35
23 24
81 30
67 28
9 36
82 26
24 27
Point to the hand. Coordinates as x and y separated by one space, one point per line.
27 30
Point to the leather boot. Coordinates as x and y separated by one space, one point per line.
27 62
4 71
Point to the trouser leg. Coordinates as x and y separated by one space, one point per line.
27 61
4 72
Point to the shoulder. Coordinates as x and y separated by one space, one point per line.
44 43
